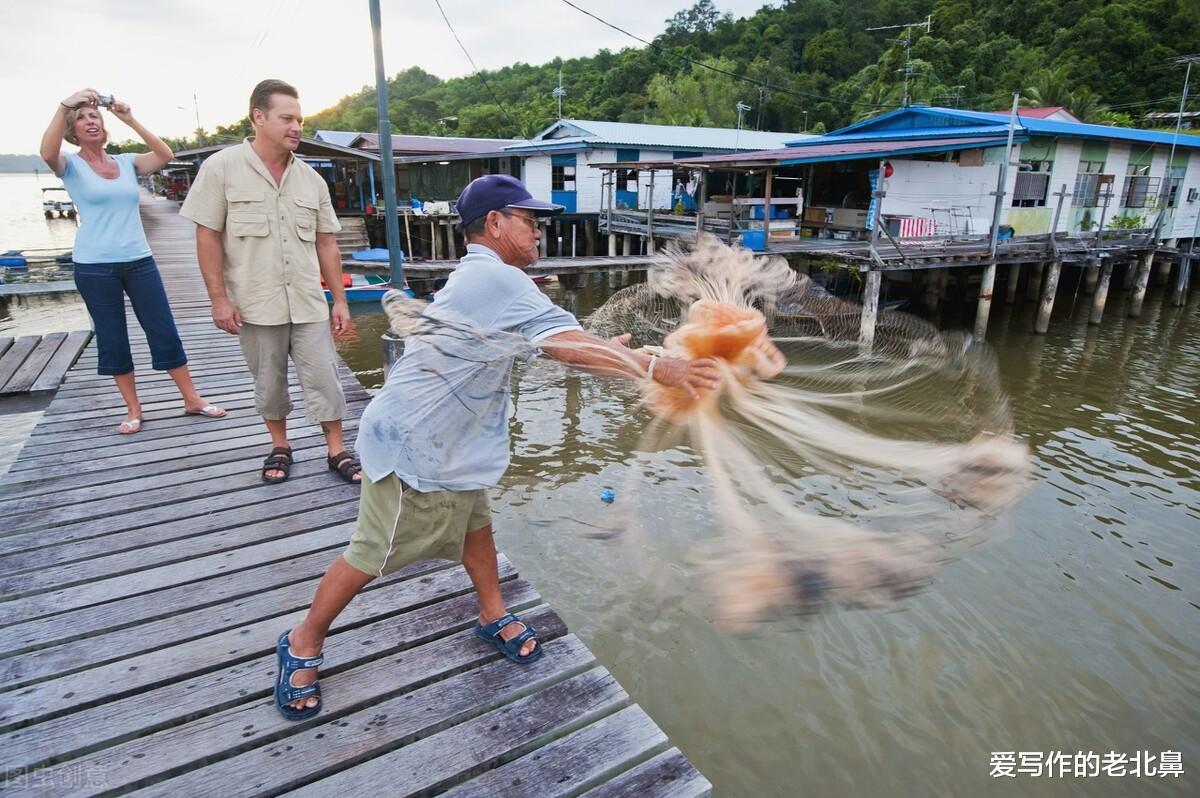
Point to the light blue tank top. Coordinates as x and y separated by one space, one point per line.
110 227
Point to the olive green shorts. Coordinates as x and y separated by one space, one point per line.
398 525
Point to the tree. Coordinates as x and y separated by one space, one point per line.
1050 87
700 98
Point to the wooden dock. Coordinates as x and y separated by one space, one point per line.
38 363
38 289
145 578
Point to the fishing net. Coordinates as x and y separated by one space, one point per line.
918 421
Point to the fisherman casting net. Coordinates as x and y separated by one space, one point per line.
919 421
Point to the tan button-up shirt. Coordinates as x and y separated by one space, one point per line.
269 233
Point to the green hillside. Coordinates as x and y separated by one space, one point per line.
811 64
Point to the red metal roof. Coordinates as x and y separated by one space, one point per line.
1044 112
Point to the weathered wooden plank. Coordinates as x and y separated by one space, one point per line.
232 709
441 760
424 582
253 638
584 759
5 343
381 726
52 376
131 453
15 356
104 563
164 505
34 365
231 460
668 775
25 605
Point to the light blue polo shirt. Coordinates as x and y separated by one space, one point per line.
440 422
110 227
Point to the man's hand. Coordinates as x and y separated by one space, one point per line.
226 316
340 315
690 376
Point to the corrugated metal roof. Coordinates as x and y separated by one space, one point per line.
828 151
343 138
595 133
432 144
907 122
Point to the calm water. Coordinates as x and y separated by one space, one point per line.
1077 629
22 225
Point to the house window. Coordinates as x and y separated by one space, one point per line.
1175 180
1087 184
627 180
562 177
1033 181
1141 190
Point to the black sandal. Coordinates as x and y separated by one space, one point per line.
280 459
345 465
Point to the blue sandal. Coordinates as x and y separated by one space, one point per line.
510 648
285 691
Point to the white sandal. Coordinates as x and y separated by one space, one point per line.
208 411
131 426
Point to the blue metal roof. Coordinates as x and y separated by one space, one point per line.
592 133
928 121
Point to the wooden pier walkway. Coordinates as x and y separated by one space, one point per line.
38 363
144 580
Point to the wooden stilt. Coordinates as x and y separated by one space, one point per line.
1179 295
1101 295
870 309
1047 305
1014 277
1141 281
984 308
1034 288
933 288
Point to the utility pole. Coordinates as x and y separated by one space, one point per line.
1165 193
762 93
988 281
390 219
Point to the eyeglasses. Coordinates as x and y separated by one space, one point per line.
529 220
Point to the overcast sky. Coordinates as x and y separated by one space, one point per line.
155 54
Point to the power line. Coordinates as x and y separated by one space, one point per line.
763 84
479 72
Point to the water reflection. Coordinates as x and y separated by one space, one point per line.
1075 630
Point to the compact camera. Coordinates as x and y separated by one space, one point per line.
105 100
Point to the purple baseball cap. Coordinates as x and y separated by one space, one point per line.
495 192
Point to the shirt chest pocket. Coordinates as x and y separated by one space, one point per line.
305 214
247 215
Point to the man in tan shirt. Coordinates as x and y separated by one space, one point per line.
264 239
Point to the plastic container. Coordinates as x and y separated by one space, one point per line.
754 239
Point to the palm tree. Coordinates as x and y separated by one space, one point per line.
1086 105
1050 88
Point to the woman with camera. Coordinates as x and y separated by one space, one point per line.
112 257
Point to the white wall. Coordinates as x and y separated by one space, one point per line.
917 186
1066 168
537 176
1183 223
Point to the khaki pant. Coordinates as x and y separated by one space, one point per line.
267 347
398 525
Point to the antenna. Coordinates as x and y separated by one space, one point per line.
907 40
559 92
741 109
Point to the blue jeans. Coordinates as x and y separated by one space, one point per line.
103 287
